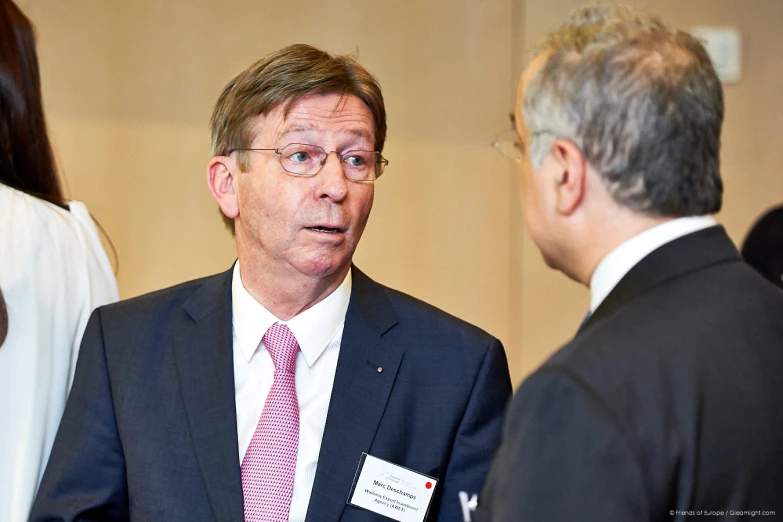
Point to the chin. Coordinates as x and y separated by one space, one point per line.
324 267
552 261
557 264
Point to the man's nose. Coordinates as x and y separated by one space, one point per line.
333 183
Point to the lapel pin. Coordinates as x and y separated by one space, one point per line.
380 369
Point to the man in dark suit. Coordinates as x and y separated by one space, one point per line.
254 394
668 403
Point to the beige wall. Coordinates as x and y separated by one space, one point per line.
129 87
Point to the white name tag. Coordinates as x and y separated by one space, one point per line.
391 490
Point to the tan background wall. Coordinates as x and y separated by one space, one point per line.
129 87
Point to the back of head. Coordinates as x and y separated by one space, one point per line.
643 103
26 158
285 77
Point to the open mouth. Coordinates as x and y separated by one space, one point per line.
325 229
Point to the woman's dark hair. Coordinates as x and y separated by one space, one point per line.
26 157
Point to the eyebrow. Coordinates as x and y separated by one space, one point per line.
298 127
361 134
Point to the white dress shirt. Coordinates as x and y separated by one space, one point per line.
622 259
53 273
319 331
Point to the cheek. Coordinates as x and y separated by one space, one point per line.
254 204
532 203
368 203
526 191
266 208
363 203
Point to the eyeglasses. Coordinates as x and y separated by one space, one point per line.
305 160
508 145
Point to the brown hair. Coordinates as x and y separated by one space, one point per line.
286 76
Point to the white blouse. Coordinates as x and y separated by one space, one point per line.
53 273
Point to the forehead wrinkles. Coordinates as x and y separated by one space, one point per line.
341 113
353 119
345 116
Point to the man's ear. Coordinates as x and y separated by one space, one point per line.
222 184
573 176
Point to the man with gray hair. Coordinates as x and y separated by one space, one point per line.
668 403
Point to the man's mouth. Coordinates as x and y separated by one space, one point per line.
328 230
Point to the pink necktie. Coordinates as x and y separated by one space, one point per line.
270 461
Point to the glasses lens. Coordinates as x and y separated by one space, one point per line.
508 145
380 165
301 159
362 165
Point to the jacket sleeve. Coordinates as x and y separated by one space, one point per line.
564 456
478 434
85 475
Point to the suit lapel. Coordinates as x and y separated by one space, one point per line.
366 370
686 254
203 353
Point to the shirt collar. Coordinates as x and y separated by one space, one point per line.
313 328
622 259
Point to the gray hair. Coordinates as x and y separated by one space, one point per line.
643 103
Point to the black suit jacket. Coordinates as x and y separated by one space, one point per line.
667 402
149 431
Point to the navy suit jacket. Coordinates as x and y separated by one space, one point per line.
149 431
667 403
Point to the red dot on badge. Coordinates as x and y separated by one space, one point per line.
428 485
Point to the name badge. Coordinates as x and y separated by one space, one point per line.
391 490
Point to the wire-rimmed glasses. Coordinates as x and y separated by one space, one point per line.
301 159
508 145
